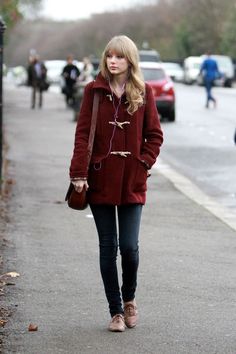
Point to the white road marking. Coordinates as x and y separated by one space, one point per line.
189 189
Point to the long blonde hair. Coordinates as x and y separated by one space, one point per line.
135 86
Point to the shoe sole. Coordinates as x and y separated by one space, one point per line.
116 330
131 326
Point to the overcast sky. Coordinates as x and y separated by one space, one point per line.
75 9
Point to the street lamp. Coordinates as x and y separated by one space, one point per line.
2 29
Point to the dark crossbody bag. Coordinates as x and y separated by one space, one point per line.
75 200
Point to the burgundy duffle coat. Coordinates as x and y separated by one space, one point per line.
124 148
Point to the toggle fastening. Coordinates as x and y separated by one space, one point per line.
121 153
119 124
110 97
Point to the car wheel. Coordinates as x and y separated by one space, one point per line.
228 83
171 116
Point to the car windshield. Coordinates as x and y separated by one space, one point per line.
171 66
193 65
148 57
196 65
153 74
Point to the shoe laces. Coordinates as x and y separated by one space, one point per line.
117 318
130 310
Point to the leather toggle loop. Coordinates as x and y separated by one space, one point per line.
121 153
119 124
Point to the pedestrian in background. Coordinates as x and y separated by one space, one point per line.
87 71
85 77
37 79
209 70
70 74
127 142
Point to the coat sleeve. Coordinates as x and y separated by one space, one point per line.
79 161
152 132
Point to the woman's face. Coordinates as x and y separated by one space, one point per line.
116 63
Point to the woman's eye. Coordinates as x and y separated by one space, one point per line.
120 57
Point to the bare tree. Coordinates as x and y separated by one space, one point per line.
176 28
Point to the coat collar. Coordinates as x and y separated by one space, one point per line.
101 82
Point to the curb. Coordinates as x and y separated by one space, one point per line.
188 188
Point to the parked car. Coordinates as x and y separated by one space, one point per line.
191 68
174 70
54 70
149 55
162 87
226 68
17 75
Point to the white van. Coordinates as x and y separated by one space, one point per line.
191 68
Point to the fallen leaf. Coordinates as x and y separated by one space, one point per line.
13 274
10 181
32 327
2 323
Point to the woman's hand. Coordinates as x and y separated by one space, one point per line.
79 185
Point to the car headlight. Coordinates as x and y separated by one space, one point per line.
167 86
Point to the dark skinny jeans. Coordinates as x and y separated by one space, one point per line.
128 217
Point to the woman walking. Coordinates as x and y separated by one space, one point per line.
127 142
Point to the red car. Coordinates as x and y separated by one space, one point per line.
162 87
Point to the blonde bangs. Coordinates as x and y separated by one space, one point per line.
116 46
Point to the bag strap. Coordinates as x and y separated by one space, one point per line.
93 125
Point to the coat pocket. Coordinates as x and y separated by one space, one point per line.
140 180
96 177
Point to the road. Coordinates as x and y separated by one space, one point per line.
200 144
186 293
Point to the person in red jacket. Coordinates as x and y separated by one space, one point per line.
127 142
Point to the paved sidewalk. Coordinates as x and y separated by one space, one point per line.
187 274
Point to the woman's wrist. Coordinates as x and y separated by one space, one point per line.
78 179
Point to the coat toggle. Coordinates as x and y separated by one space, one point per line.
121 153
119 124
